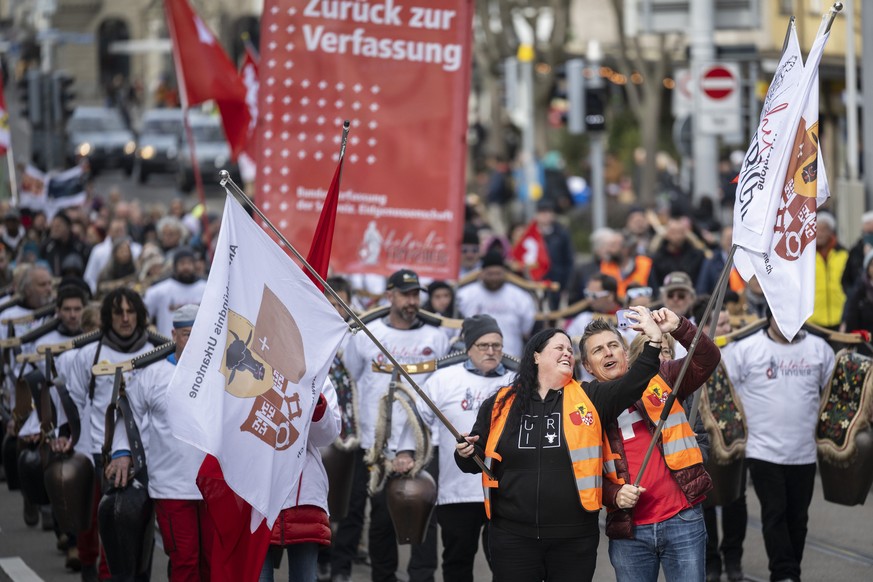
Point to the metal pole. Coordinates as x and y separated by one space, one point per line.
867 96
13 186
232 189
851 95
525 60
722 281
596 155
704 147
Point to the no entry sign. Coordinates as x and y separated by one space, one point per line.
718 82
717 99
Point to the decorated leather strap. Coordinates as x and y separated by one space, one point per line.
419 368
121 405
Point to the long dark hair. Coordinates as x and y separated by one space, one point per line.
113 301
526 381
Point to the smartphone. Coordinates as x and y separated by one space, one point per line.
621 317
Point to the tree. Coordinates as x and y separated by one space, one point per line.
496 40
647 97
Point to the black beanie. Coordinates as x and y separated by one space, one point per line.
493 258
475 327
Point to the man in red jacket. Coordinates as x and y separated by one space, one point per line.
662 522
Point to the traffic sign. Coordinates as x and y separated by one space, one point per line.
718 82
717 99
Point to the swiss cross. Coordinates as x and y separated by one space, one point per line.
264 346
626 421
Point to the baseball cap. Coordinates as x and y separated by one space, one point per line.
677 280
404 280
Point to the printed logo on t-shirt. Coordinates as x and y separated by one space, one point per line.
551 432
790 368
473 401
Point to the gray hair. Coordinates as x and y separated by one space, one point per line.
601 236
827 219
27 276
867 217
172 222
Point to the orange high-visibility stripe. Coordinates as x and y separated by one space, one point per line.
677 438
582 432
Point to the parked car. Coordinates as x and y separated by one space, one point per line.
100 135
158 149
211 148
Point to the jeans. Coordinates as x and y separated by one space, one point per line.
785 492
302 563
678 545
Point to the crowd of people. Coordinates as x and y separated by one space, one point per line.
556 396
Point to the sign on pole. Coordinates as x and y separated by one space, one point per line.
717 97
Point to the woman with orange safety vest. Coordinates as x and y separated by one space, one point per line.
543 438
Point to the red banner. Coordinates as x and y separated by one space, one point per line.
400 71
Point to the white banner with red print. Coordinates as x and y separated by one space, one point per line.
400 71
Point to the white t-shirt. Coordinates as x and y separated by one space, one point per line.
164 298
511 307
780 386
411 346
459 394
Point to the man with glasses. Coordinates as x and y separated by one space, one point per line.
458 391
677 295
602 295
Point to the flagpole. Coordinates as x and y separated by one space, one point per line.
710 306
189 134
13 185
228 184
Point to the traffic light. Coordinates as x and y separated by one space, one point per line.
595 109
62 97
30 92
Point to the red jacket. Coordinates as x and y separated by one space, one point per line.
694 481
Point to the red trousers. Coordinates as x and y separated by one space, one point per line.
187 532
88 541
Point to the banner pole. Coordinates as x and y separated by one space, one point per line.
722 281
13 183
233 189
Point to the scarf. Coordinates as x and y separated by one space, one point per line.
134 342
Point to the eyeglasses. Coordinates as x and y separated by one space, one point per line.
678 295
595 294
635 292
483 347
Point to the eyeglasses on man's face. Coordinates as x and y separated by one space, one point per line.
486 347
635 292
595 294
678 295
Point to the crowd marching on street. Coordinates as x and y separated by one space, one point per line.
578 390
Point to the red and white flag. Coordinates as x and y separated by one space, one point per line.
322 240
531 253
248 72
5 142
206 73
785 267
245 389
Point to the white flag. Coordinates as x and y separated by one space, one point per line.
255 364
760 179
786 268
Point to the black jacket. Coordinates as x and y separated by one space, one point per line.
537 496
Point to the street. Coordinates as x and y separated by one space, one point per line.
839 547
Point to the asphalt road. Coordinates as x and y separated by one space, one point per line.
839 547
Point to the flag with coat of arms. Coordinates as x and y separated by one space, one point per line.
781 184
246 386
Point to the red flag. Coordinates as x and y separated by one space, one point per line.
531 253
206 73
322 240
4 123
237 554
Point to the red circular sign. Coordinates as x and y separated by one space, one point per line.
718 82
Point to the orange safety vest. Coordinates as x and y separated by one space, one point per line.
640 274
736 282
677 439
584 436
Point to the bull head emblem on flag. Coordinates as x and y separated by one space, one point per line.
273 356
239 357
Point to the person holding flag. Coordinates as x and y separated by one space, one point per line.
661 525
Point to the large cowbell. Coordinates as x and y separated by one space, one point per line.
411 501
69 482
30 475
125 518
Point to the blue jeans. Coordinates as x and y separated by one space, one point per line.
677 544
302 563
